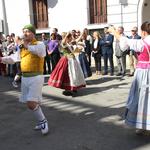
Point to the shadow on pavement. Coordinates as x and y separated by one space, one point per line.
74 124
95 90
103 79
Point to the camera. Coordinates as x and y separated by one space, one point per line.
21 39
21 46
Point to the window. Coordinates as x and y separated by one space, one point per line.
98 11
40 13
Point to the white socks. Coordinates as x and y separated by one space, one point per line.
38 113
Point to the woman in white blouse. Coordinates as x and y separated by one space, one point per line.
138 103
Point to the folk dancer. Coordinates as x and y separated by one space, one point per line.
31 56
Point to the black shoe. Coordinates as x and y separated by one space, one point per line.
105 73
67 93
130 75
74 91
44 73
49 72
14 83
123 74
118 74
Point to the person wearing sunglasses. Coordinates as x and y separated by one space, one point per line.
132 54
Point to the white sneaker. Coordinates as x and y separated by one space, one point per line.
43 126
14 83
139 131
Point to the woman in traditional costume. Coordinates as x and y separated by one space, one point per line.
67 73
138 104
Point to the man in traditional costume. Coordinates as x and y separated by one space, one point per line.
31 56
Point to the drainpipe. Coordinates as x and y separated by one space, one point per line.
138 13
5 25
123 3
121 14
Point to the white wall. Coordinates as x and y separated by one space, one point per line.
1 12
67 14
146 8
73 14
17 15
125 15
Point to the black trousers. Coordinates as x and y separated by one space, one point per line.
54 59
109 57
97 58
89 58
47 64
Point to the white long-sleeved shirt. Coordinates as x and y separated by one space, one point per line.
38 49
135 44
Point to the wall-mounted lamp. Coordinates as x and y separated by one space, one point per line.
145 4
123 2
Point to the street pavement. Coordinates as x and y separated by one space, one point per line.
91 120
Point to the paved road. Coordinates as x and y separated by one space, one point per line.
92 120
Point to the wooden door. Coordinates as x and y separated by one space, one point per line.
98 11
40 13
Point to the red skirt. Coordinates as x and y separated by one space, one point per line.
59 78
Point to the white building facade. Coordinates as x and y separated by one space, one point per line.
73 14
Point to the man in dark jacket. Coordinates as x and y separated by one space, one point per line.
107 51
